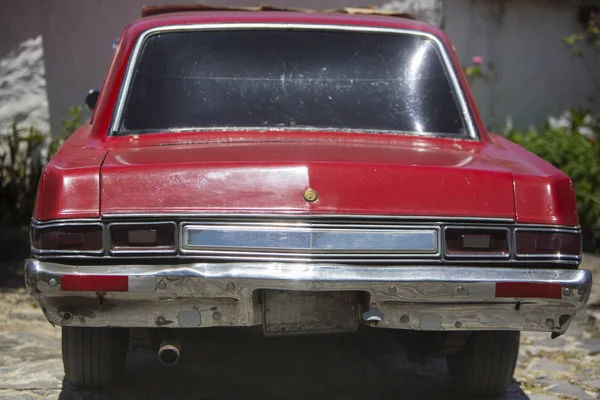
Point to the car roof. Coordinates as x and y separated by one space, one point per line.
333 17
171 8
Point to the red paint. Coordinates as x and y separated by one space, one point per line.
528 290
94 283
267 171
70 184
543 193
351 178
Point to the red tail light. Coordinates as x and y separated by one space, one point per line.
477 242
544 243
143 237
72 238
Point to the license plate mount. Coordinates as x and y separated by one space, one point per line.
288 312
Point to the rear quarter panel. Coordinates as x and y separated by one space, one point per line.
543 193
70 184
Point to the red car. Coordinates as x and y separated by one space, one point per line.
304 173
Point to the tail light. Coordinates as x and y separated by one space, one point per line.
475 242
68 238
152 237
547 243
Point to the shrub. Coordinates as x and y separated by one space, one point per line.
569 143
69 124
19 173
24 152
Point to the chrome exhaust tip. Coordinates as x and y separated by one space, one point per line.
168 353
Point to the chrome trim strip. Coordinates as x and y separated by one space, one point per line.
479 256
314 239
65 220
267 218
449 66
360 259
133 250
72 252
305 216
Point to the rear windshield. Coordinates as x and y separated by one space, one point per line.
291 79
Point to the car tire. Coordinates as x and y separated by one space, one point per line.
486 364
94 357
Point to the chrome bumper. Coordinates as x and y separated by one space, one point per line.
226 294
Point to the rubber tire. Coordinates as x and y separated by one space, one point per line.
94 357
486 364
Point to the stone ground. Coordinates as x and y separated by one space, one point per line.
229 364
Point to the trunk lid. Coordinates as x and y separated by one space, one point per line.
271 177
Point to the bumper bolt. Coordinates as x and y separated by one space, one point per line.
216 316
404 319
550 323
373 305
162 284
566 291
160 320
393 289
458 324
461 290
52 282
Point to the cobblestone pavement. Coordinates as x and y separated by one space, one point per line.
229 364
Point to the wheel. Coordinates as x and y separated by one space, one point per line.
94 357
486 363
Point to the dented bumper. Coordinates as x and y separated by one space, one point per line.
229 294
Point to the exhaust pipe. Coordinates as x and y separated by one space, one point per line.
168 353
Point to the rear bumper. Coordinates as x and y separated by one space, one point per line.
227 294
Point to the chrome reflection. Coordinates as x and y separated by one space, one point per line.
416 241
413 80
417 291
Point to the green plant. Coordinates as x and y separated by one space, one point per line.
478 71
24 152
69 124
20 171
570 144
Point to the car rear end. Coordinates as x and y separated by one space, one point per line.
426 274
307 174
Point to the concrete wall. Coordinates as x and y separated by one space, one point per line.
536 74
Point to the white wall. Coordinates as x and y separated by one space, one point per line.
537 75
23 94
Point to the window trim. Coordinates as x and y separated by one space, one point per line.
464 110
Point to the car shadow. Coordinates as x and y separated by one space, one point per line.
228 364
